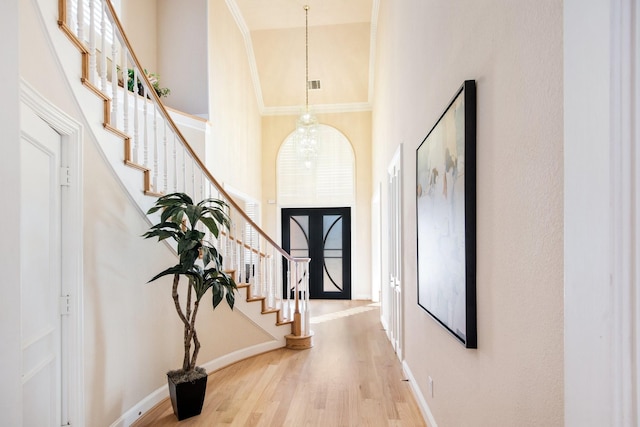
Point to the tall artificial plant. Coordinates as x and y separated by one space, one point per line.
199 261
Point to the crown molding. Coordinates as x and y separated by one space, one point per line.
375 9
294 110
251 57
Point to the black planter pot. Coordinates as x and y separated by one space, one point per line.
187 398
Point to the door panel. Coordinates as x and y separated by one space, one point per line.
324 235
40 255
394 293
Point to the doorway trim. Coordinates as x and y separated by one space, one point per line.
71 206
395 286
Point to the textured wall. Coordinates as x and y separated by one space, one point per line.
426 49
234 153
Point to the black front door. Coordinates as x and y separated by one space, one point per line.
324 235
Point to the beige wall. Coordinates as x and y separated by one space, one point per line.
357 128
234 153
514 52
139 19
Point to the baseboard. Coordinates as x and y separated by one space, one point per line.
422 403
385 326
157 396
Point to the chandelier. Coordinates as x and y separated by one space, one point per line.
307 123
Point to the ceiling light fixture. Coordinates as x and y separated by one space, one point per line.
306 126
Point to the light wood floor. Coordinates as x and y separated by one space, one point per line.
351 377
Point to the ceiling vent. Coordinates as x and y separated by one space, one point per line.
313 84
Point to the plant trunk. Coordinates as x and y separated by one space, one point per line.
185 321
194 336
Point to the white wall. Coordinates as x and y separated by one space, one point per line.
10 345
588 320
602 105
514 51
183 54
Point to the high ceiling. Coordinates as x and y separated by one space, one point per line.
340 39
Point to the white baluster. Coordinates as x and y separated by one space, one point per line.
202 196
252 275
71 20
80 20
175 164
145 127
267 275
193 176
103 49
136 119
184 169
272 277
306 330
125 91
241 266
114 85
258 265
287 297
166 160
155 149
234 250
92 41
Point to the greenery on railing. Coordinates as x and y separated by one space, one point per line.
153 78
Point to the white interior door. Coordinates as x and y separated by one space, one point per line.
394 290
40 287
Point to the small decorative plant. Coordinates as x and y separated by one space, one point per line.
199 262
138 88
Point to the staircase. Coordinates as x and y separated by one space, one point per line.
154 159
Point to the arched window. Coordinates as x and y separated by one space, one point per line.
329 181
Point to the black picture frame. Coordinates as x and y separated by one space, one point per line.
446 231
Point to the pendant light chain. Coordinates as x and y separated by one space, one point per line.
307 123
306 60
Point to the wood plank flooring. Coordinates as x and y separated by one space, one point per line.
351 377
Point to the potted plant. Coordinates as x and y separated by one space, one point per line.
154 79
137 86
201 264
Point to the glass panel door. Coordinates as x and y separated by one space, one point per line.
324 235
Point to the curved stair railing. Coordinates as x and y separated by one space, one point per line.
154 145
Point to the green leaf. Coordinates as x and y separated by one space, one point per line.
218 294
153 209
211 224
231 298
173 214
176 269
206 255
188 258
186 244
193 214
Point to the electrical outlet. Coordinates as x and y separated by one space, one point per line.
431 386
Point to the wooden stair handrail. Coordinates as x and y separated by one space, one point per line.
62 22
296 340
